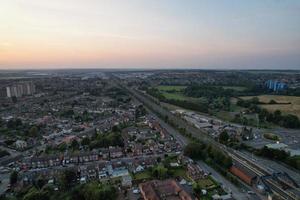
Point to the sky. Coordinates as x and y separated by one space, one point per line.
209 34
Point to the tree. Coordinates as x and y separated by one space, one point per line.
34 194
223 137
19 122
3 153
13 177
14 123
158 159
197 189
272 101
85 141
290 121
277 116
77 193
62 147
195 150
40 182
255 100
33 131
115 129
68 178
166 118
14 99
262 115
75 145
160 172
227 162
95 191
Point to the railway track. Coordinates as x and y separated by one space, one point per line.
261 171
246 162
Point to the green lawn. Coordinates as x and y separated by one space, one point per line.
170 87
237 88
172 91
211 186
207 183
179 172
142 175
175 96
224 115
175 92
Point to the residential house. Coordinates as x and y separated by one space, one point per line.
194 172
115 152
167 189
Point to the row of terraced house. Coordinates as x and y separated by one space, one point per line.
84 157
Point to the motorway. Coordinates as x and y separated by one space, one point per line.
152 104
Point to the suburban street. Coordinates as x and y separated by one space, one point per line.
149 102
237 193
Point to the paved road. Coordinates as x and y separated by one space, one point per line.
4 182
237 193
182 140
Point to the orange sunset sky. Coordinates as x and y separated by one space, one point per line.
149 34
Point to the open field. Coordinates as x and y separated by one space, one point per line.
292 108
237 88
175 96
277 98
170 87
284 108
174 92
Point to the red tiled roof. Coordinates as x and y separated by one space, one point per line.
168 189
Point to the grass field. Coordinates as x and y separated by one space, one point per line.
237 88
170 87
292 108
177 95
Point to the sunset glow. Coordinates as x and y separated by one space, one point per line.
149 34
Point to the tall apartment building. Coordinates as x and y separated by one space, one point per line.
3 92
20 89
276 85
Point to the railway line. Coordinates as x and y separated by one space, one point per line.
257 169
260 172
